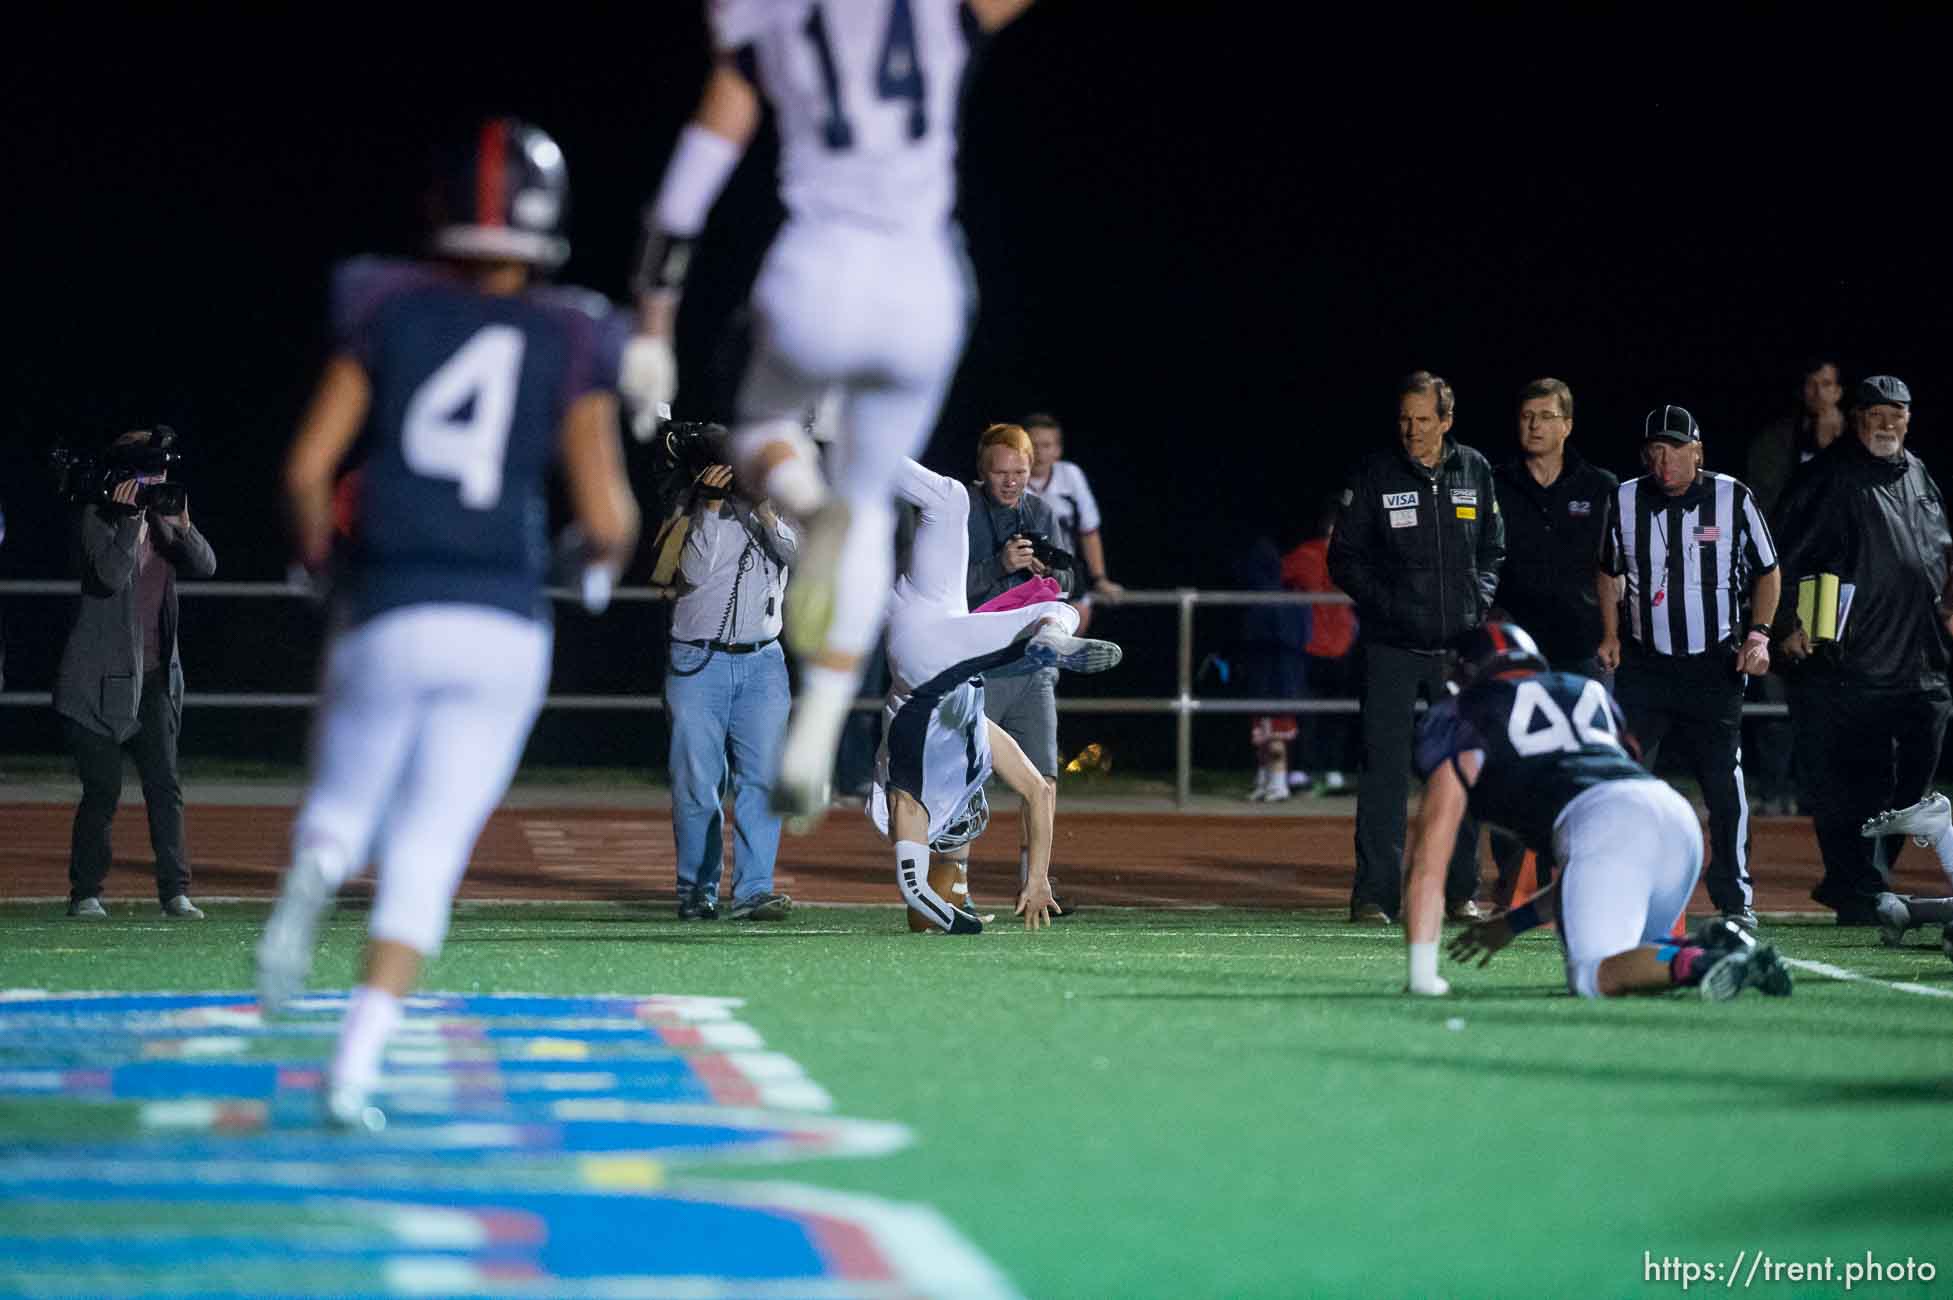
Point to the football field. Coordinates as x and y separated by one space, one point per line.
1169 1102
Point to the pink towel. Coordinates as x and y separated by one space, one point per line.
1035 592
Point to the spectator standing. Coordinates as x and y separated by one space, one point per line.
1702 582
1005 518
726 695
120 686
1418 545
1273 639
1784 444
1061 484
1331 667
1870 703
1777 453
1555 507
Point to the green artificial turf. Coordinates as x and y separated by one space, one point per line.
1227 1103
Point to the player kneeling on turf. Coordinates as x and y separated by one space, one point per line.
1540 753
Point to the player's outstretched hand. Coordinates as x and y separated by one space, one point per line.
1480 941
1035 905
648 380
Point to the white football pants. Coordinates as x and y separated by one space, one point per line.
1631 852
423 716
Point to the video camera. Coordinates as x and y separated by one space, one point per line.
681 451
91 477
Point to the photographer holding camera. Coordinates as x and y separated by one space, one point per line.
121 682
1010 544
725 677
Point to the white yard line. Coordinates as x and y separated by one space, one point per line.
1853 977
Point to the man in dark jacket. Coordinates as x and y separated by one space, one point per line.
120 686
1418 545
1868 700
1554 505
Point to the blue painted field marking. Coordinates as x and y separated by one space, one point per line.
564 1115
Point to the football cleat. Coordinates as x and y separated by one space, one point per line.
1756 967
1051 648
290 933
346 1110
1721 934
1925 821
1894 919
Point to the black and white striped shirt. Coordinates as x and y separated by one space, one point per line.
1689 561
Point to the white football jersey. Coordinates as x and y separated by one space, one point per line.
940 745
864 93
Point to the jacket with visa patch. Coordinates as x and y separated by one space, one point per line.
1419 550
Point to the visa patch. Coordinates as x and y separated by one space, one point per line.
1399 500
1403 518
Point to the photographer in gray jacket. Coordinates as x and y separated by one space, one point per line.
1011 543
120 685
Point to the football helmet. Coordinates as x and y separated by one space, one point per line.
1494 648
503 196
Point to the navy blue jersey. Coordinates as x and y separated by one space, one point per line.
469 392
1546 738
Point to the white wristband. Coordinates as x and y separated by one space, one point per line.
700 165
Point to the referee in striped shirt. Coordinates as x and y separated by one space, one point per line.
1701 592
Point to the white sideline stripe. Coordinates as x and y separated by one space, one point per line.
1853 977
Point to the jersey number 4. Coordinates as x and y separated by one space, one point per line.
898 74
1592 722
457 424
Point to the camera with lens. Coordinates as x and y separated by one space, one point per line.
91 477
1051 557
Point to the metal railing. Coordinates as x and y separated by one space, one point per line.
1184 704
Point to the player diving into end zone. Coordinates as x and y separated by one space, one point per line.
938 748
1540 753
461 381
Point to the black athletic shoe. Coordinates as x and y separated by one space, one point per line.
695 906
1721 934
1756 968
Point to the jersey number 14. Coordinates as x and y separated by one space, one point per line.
898 74
1537 726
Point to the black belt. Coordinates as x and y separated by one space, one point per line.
729 647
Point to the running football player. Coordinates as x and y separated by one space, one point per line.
1930 823
461 381
864 290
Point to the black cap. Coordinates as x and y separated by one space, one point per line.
1881 390
1670 424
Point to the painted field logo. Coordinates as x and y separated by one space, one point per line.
537 1144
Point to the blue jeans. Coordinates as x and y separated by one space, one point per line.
735 704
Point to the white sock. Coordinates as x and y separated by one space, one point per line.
912 877
1943 846
796 486
1424 968
371 1017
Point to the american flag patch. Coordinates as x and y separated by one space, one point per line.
1712 533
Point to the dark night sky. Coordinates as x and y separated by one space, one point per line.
1208 236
